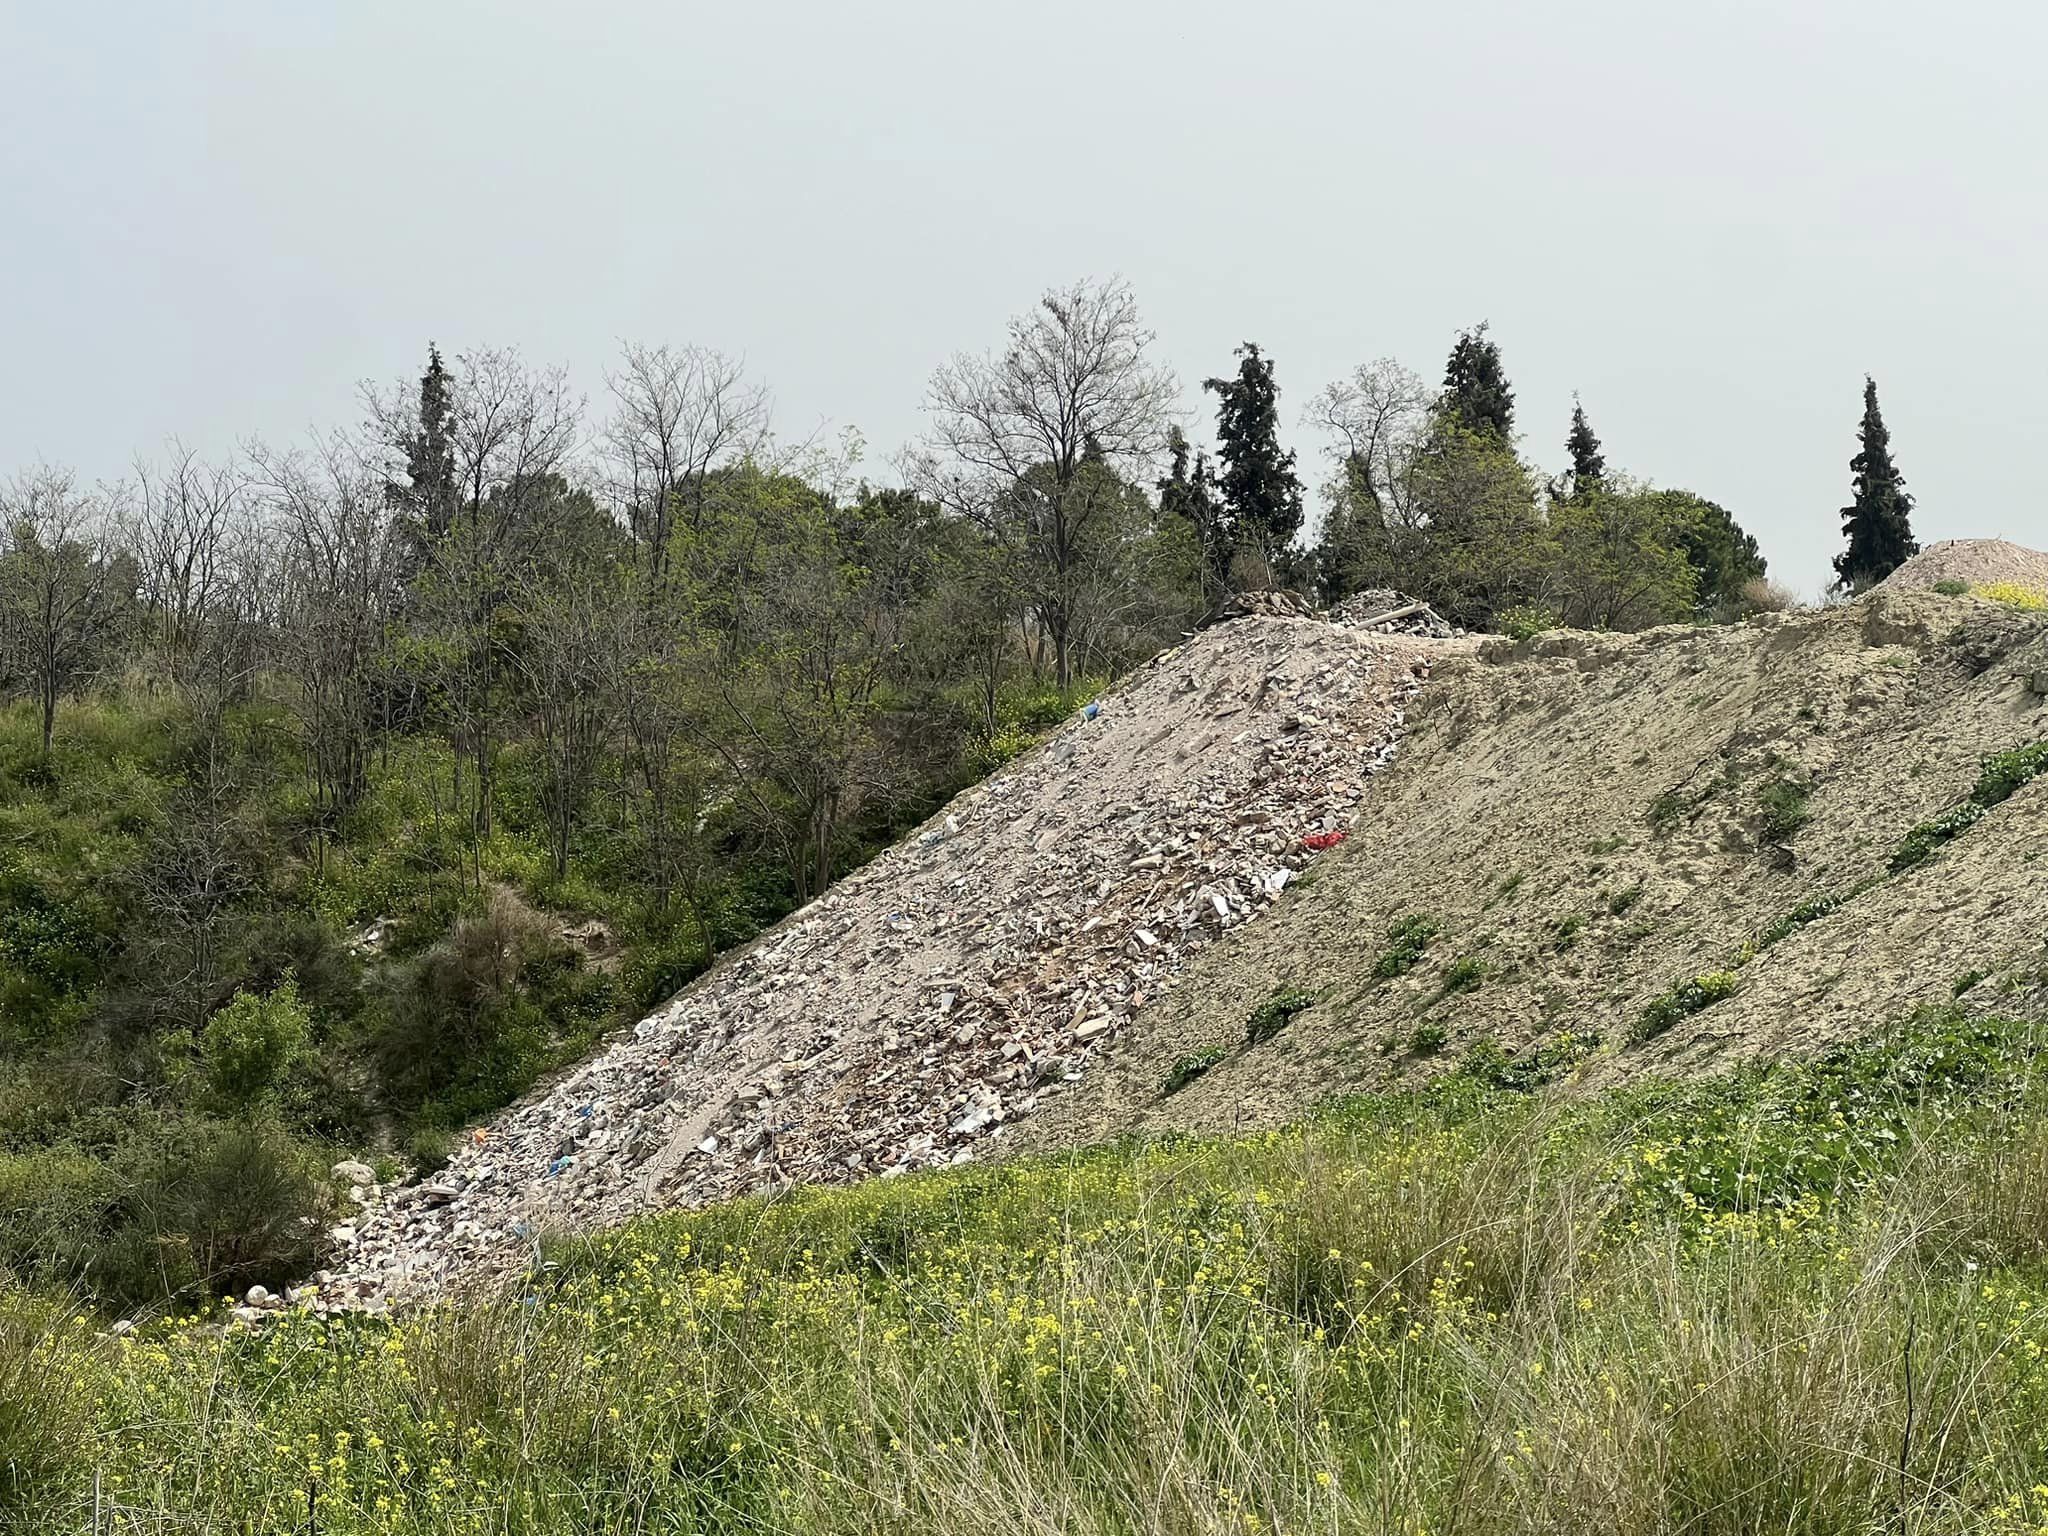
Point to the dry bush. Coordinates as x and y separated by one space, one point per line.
1762 595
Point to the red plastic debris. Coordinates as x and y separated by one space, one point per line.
1316 842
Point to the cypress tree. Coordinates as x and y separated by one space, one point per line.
429 497
1477 396
1878 521
1589 464
1261 492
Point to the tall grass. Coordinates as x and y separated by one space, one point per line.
1797 1300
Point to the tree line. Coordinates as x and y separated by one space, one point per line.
318 757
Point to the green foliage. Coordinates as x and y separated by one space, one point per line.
1408 938
1526 1071
1952 588
1462 975
176 1207
1921 844
1703 1291
1477 397
1525 621
1567 930
1809 912
1622 902
1725 560
1261 493
1190 1067
1427 1039
2001 775
1274 1014
1621 561
1878 522
1783 803
247 1046
1681 1001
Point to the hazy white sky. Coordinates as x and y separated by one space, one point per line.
1710 220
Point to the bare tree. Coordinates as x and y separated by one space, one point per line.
679 413
567 666
333 556
1379 418
191 520
1038 442
66 588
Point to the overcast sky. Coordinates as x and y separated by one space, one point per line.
1710 220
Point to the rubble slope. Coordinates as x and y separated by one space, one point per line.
956 986
1590 821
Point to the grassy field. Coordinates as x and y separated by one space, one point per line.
1803 1299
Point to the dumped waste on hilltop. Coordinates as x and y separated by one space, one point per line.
1642 854
957 984
1974 562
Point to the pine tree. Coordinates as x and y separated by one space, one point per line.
1878 522
1476 395
1261 492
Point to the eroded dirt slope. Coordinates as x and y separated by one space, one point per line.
1591 819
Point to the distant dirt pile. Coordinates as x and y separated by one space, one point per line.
958 985
1689 846
1975 562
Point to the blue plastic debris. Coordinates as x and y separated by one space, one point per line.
584 1112
555 1168
1091 711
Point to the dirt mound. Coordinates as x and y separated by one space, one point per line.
959 984
1975 562
1582 831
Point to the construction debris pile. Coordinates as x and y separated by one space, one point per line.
955 984
1387 612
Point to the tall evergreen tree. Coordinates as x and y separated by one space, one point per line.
1477 396
429 497
1589 464
1878 522
1261 492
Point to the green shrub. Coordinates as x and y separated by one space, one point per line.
247 1046
1921 844
1408 937
1568 929
1427 1039
1952 588
1272 1016
1190 1067
1524 1072
1622 902
1810 912
1462 975
1682 1001
1525 621
2000 776
2003 774
1783 802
